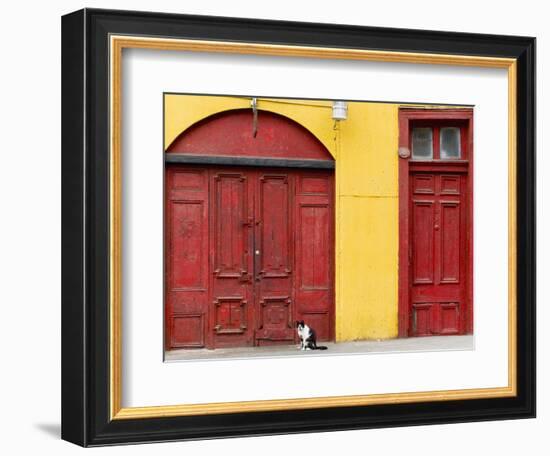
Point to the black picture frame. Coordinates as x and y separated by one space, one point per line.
85 228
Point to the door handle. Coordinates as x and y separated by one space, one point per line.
257 267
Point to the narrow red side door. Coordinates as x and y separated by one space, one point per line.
436 224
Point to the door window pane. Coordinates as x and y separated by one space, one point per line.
449 142
422 143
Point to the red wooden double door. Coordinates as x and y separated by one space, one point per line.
248 252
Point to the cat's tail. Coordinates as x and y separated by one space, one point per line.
321 347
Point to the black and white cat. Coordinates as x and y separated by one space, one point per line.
308 339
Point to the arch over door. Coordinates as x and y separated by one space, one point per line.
231 133
249 249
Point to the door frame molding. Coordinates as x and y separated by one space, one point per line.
405 117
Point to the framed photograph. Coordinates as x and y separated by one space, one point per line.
277 227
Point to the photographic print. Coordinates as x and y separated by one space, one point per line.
246 201
299 227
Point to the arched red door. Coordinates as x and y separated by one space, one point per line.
249 233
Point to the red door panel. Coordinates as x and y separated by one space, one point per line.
274 226
249 251
423 241
450 241
187 257
449 318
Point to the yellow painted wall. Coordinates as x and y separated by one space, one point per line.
367 237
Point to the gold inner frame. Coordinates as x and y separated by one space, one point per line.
116 45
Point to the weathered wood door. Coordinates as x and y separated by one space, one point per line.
248 251
435 248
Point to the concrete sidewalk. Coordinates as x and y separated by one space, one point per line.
412 344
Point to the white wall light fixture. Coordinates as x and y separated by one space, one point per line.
339 110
